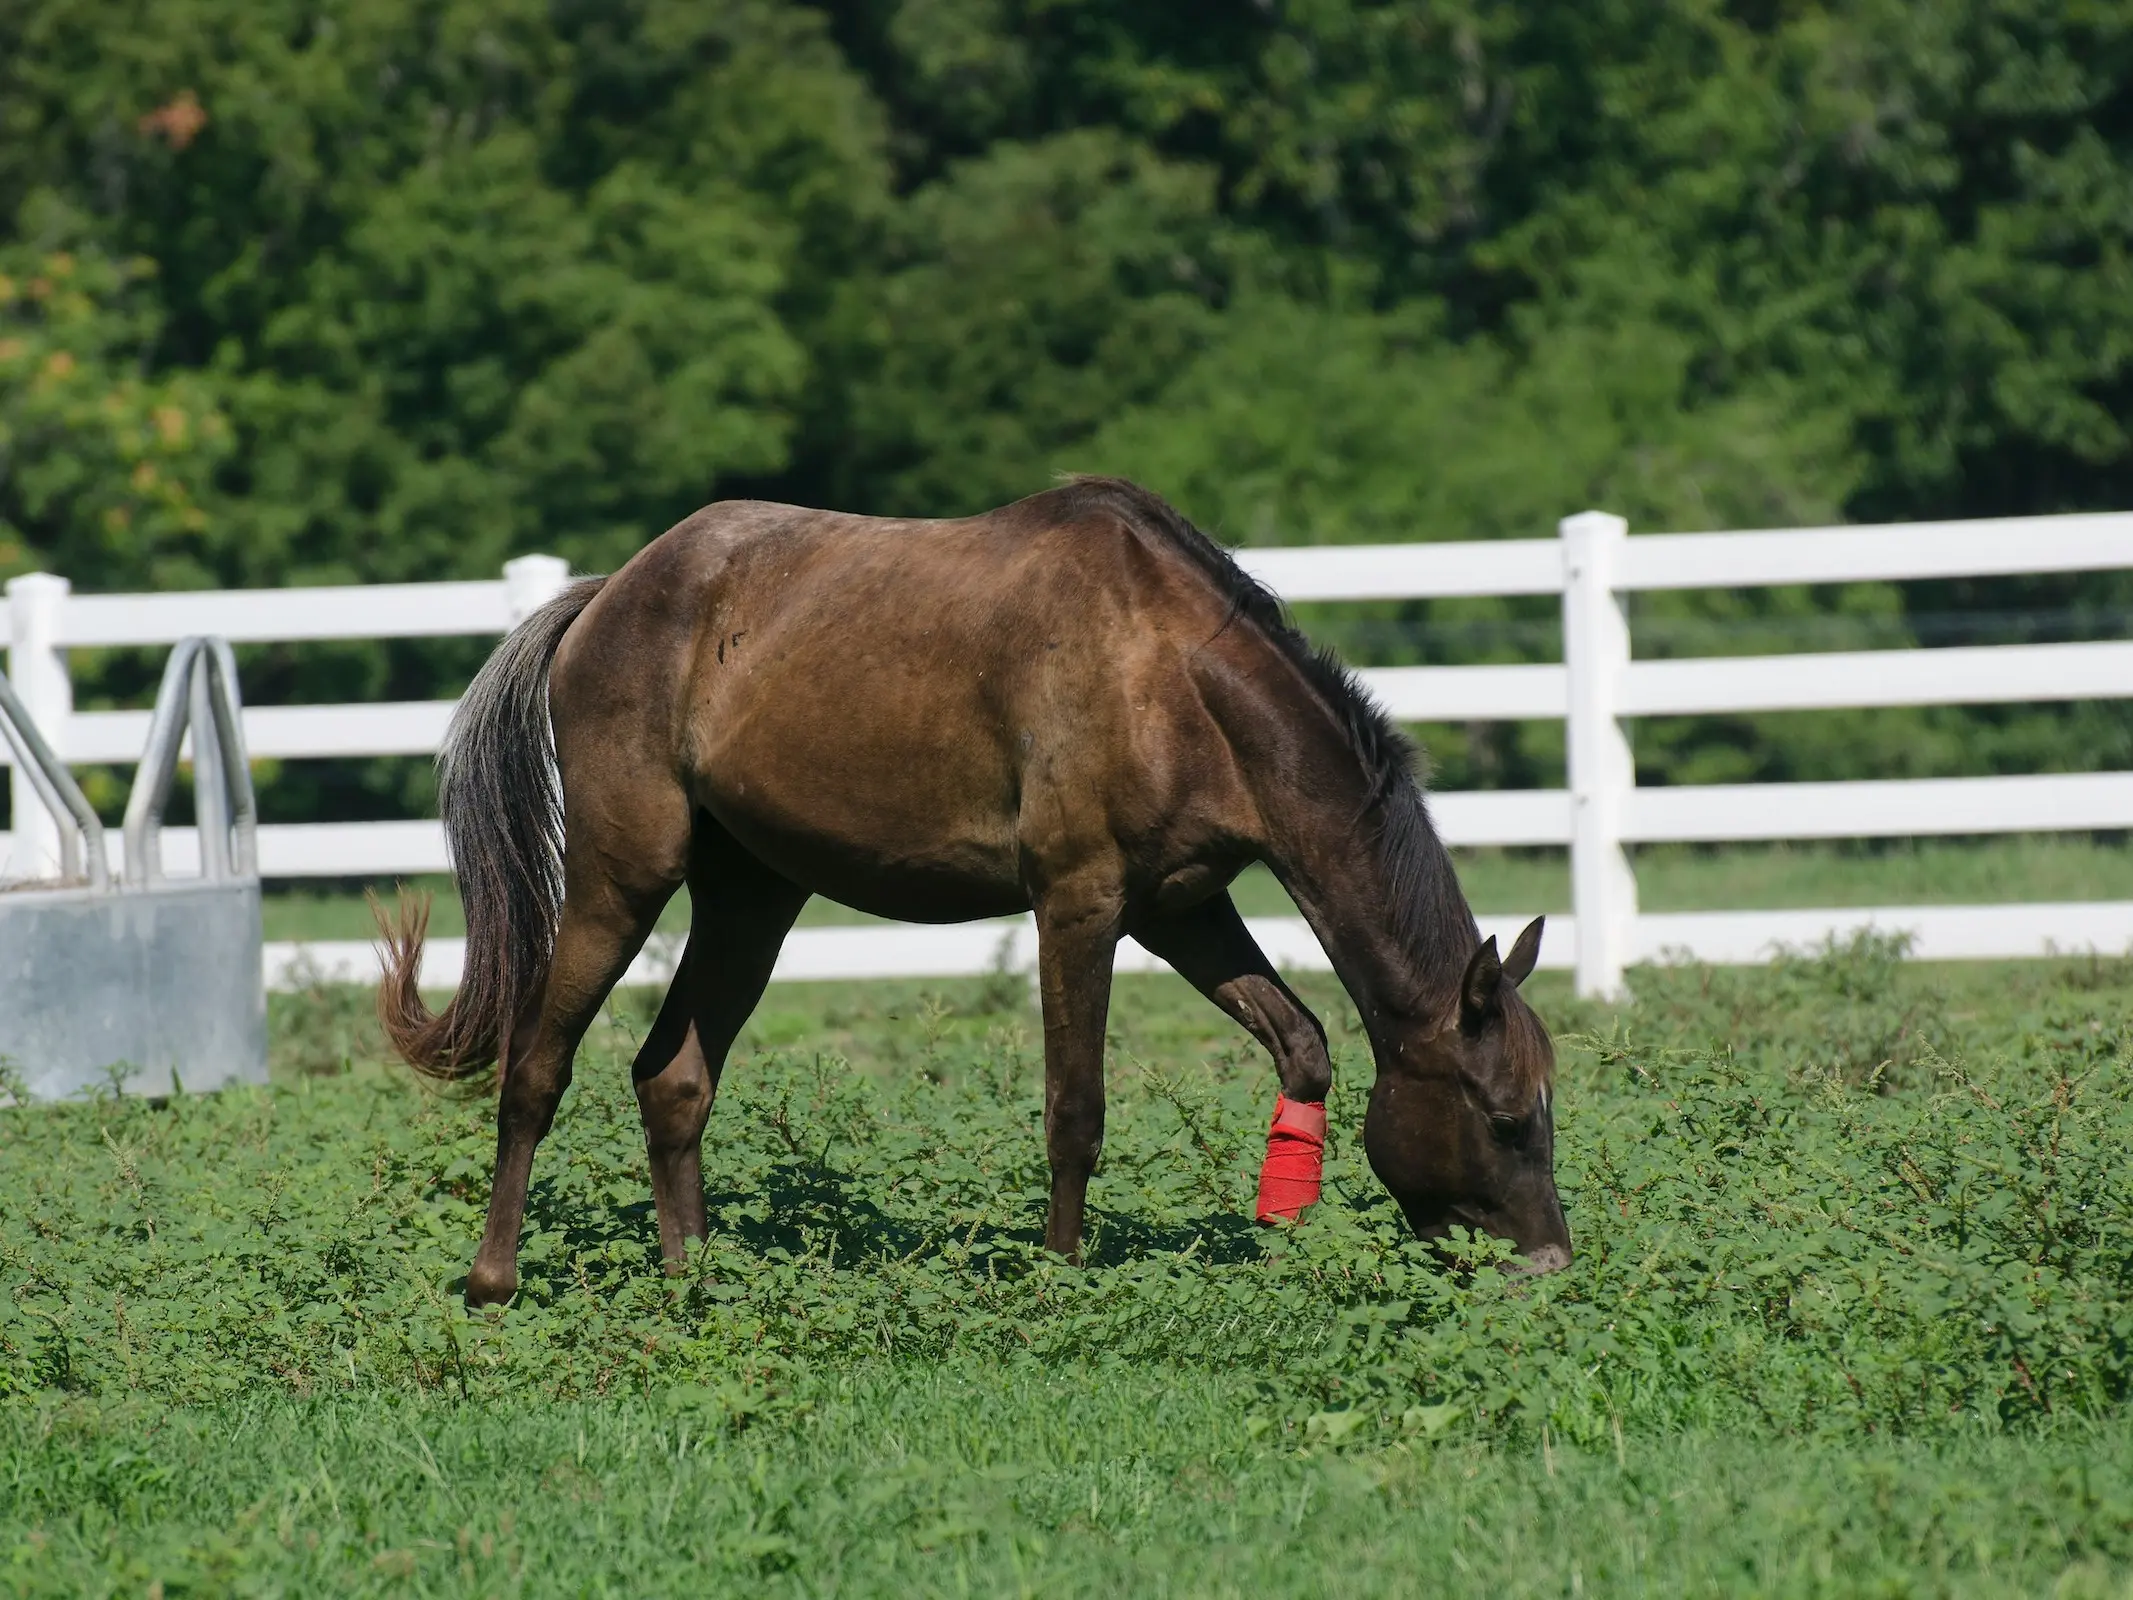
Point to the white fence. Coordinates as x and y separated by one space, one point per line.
1592 566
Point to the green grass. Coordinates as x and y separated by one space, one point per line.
1849 1315
2044 867
1017 1480
1669 878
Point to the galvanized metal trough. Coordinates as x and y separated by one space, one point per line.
150 985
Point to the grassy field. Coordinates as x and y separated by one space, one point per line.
1850 1315
1669 878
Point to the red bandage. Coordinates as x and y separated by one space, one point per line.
1295 1159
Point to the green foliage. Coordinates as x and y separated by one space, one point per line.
1032 293
1841 1012
464 280
99 465
1012 1479
1791 1245
1310 425
320 1028
472 279
1802 1272
570 267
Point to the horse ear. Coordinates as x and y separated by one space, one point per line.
1525 950
1481 990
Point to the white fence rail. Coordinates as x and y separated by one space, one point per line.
1592 566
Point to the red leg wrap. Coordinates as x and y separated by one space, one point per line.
1295 1160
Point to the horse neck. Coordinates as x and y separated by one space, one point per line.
1399 935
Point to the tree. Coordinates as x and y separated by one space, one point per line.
466 279
476 278
102 467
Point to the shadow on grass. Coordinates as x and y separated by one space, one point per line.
802 1207
1120 1237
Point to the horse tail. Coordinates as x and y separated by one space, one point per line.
501 797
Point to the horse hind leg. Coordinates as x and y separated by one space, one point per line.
740 914
675 1087
608 910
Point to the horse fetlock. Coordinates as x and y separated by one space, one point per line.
1062 1243
1308 1081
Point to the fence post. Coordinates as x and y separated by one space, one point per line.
1602 775
530 582
38 669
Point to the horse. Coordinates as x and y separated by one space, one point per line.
1077 705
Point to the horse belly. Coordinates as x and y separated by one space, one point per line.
902 823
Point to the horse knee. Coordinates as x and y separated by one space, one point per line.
674 1112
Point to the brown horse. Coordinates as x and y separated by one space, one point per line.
1076 705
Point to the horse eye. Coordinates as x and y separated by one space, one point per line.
1508 1129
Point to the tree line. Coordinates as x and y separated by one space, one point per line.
300 291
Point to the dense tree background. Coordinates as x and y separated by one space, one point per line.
393 289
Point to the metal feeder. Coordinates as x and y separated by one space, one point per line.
152 985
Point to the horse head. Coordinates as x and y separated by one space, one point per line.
1461 1128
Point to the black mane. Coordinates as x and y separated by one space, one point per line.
1423 887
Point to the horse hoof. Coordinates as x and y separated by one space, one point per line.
1548 1258
485 1288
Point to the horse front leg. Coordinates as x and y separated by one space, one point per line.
1209 947
1077 938
1212 950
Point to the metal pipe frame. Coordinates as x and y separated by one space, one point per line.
199 692
56 787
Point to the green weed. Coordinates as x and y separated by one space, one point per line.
1839 1216
320 1028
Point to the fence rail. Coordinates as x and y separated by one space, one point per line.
1591 566
841 954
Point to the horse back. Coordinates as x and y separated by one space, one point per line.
962 704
